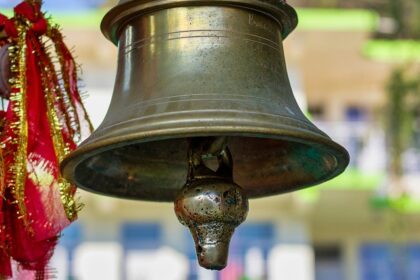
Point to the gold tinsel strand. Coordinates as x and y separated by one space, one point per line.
60 147
70 119
57 37
20 126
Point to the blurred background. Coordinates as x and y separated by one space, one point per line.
355 69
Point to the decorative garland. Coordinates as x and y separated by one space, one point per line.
44 120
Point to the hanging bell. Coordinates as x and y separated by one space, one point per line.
199 82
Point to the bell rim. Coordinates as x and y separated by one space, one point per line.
279 10
302 136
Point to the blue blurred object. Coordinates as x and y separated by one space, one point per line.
413 262
355 114
141 236
377 262
59 5
248 235
385 261
72 237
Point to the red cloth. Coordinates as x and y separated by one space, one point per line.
5 264
33 212
42 193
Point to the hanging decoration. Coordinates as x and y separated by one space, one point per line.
44 120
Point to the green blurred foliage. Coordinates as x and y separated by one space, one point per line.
403 102
404 14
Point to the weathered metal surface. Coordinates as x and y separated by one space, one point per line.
212 73
211 205
279 11
196 71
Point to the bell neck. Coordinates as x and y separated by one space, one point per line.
202 150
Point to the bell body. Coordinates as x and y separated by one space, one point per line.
195 69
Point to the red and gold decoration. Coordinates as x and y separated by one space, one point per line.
44 120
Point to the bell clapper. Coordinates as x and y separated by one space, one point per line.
210 204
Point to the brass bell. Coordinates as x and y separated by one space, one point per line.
203 113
